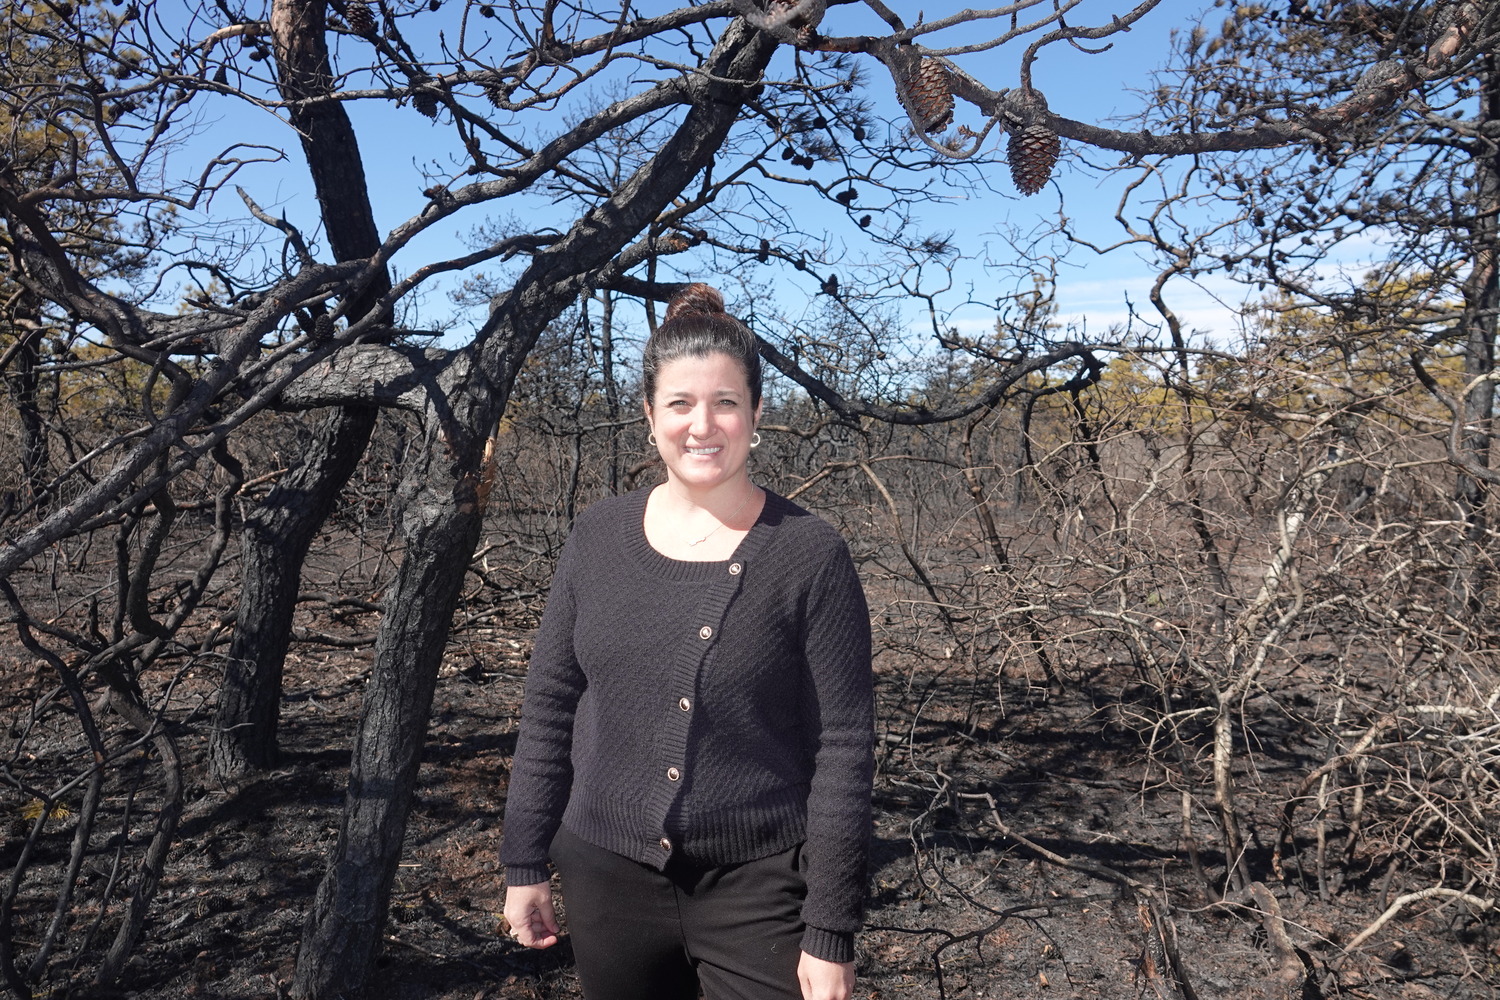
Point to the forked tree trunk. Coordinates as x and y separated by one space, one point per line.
442 508
278 532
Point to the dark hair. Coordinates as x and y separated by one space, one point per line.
697 326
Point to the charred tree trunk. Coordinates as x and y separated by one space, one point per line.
611 386
278 532
441 507
1480 315
23 384
276 538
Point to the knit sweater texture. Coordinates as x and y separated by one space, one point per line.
716 712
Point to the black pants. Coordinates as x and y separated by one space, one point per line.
640 934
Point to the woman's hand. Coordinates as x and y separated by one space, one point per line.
528 910
823 980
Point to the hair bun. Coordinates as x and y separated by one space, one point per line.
696 299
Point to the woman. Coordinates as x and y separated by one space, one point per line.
696 744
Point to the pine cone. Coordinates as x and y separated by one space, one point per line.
1385 73
1032 152
323 329
932 96
361 20
426 102
1460 14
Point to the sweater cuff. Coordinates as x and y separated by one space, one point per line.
526 874
830 946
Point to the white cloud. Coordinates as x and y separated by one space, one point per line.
1209 305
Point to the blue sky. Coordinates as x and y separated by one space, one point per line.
1092 289
1095 290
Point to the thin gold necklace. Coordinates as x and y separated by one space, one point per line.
731 517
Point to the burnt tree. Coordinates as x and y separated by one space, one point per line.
707 104
279 529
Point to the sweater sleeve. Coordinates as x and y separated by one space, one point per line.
541 774
836 645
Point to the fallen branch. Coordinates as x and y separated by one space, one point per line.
1290 968
1478 902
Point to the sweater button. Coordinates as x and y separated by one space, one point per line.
665 844
734 569
673 774
684 704
705 633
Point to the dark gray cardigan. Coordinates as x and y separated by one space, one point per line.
716 711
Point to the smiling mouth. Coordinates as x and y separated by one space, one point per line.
702 451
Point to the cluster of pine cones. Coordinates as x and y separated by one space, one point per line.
1033 148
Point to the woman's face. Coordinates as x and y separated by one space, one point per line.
702 417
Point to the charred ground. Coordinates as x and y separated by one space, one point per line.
1029 842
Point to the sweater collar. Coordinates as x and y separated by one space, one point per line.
667 568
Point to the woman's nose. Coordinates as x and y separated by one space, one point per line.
702 421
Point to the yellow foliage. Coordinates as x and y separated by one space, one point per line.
32 810
113 386
1304 360
1298 366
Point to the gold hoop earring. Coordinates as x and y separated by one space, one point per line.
755 440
